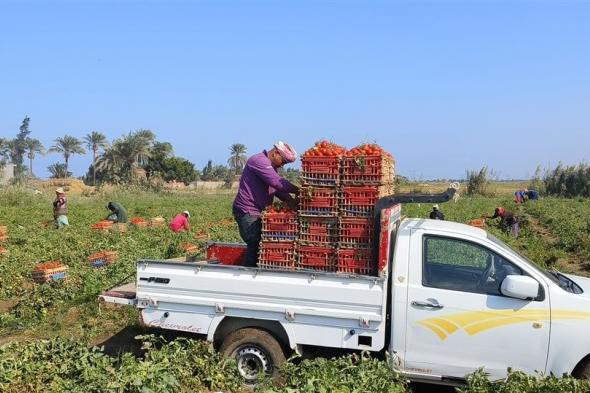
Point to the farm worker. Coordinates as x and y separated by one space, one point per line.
60 209
180 222
532 195
259 183
117 212
508 221
436 214
519 196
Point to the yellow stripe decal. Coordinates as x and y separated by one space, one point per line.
475 322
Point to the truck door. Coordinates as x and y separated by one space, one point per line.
458 320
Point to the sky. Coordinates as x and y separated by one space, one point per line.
444 86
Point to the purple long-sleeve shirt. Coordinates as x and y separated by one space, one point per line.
260 182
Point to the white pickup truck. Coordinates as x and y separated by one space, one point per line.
448 298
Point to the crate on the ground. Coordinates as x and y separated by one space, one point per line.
316 257
103 258
49 271
359 201
279 226
318 230
356 231
318 201
276 255
157 222
102 226
3 238
4 252
119 227
139 222
478 223
367 170
320 171
189 248
354 260
3 230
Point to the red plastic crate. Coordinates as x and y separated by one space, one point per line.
318 201
316 257
318 229
103 258
279 226
320 170
355 231
359 201
365 170
277 255
354 260
226 253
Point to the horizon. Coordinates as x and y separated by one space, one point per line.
444 86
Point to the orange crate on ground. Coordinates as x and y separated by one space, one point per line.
276 255
354 260
157 222
49 271
360 201
318 257
320 171
103 258
139 222
318 230
365 170
3 230
356 231
190 248
3 238
281 226
318 201
104 225
478 222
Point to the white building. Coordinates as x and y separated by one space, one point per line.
6 173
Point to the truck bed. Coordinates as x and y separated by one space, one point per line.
314 308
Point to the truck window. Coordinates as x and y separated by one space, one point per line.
460 265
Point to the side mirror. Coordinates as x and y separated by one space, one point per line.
520 287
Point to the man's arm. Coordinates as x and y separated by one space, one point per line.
186 225
268 175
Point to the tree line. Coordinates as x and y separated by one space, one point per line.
134 155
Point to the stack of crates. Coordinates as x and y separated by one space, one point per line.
364 180
318 213
3 233
279 232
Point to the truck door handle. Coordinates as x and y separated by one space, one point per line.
430 305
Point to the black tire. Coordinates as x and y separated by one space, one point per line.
582 370
254 350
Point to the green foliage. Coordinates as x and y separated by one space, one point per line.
568 181
58 170
214 172
478 181
238 158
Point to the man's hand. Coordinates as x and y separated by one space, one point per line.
293 204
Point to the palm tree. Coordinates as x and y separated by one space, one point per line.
33 146
67 145
58 171
237 159
95 141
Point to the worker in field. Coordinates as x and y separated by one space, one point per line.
520 195
508 221
180 222
532 195
436 214
60 209
259 184
117 213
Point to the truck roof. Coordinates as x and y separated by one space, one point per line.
441 225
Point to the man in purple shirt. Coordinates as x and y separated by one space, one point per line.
259 184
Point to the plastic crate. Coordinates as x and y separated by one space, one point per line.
3 230
103 226
139 222
367 170
315 257
359 201
478 223
318 201
157 222
279 226
318 230
320 171
276 255
189 248
3 238
355 231
354 260
226 253
102 258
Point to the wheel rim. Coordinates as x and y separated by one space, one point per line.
252 360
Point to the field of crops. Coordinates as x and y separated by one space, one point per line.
47 331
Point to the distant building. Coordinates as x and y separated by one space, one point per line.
6 173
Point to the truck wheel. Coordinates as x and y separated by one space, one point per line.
255 351
582 371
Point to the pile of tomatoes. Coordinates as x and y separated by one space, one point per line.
367 149
324 149
48 266
278 208
137 220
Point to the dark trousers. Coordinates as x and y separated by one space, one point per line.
250 230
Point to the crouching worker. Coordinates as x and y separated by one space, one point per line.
117 213
60 209
508 221
259 184
180 222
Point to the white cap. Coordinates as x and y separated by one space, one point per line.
187 213
435 207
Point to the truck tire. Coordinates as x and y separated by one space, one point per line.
255 351
582 370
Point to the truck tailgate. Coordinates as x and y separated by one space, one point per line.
122 294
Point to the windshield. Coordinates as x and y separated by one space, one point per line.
550 276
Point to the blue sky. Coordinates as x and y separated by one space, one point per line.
443 85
